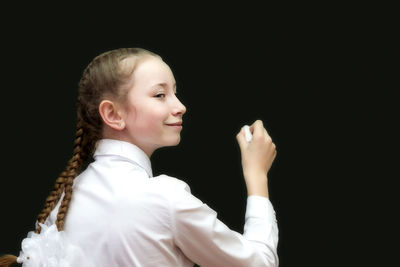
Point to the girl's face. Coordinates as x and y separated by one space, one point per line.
152 107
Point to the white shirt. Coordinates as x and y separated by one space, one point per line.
120 215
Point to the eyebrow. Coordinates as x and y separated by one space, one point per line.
166 85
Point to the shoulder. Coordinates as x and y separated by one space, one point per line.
169 184
176 192
149 201
161 192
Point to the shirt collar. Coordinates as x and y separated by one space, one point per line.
125 150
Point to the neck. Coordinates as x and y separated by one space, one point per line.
109 133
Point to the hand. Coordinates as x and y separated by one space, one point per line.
257 155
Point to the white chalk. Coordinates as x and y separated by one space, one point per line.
247 133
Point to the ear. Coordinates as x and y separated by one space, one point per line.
111 115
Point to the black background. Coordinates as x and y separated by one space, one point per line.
313 75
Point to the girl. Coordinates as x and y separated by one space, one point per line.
114 212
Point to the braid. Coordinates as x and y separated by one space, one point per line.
65 180
74 164
51 201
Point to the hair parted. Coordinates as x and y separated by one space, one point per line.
104 76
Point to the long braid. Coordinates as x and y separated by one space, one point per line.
66 177
51 201
74 166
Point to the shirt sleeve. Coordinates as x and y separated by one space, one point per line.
208 242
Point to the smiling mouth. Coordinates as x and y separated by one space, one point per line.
175 124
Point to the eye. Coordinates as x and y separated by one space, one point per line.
160 95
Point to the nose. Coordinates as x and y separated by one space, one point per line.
179 108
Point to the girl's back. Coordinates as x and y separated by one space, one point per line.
120 216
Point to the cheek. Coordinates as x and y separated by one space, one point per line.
155 115
151 119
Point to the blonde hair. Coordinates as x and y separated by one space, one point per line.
105 76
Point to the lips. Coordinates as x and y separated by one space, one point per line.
179 123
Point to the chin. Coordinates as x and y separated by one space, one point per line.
174 142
